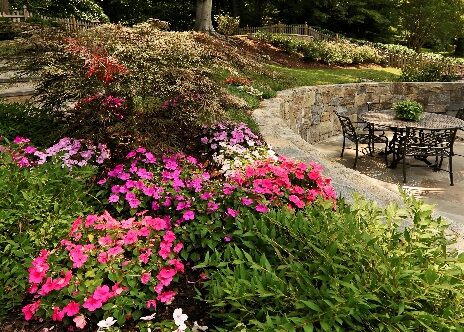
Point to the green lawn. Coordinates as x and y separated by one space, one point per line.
293 77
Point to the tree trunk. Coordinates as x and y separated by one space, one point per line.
4 6
459 50
234 8
203 21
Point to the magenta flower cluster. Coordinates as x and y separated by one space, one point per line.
105 107
71 152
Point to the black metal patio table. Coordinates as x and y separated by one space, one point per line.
387 118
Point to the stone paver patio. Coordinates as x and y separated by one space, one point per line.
423 182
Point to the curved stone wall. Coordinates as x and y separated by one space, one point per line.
309 111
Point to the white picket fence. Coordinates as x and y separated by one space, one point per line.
70 23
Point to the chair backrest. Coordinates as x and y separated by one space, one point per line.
429 142
347 127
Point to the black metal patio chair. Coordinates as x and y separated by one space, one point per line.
422 143
363 135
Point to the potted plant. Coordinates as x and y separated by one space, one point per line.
408 110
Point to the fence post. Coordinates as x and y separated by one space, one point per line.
279 27
306 30
26 12
73 24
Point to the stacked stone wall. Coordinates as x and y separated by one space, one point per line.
310 110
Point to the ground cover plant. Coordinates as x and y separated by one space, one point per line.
351 268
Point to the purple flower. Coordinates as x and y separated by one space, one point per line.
231 212
113 198
188 215
262 208
246 201
20 140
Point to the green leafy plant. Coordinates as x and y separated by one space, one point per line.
408 110
226 24
351 268
331 52
37 206
428 71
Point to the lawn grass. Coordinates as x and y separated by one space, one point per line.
294 77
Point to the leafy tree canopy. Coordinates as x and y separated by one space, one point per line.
82 9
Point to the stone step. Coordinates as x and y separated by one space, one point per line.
12 76
17 90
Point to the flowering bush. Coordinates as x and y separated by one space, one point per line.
285 182
37 206
232 146
71 152
123 267
251 90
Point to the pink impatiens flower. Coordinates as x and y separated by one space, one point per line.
145 278
231 212
92 304
295 200
57 314
165 275
262 208
189 215
30 310
102 293
71 309
166 297
80 321
130 237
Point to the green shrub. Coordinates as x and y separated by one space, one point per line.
227 25
353 268
37 206
425 71
329 52
8 29
165 79
408 110
26 120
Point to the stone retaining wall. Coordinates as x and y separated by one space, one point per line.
310 110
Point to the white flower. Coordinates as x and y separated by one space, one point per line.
197 327
107 323
152 316
179 317
181 328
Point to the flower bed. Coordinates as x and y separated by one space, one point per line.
167 211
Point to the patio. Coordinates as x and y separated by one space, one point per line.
423 182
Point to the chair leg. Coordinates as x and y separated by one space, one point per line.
404 169
356 157
451 169
343 148
386 156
